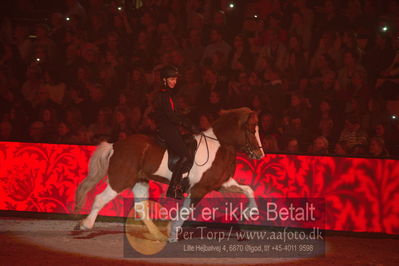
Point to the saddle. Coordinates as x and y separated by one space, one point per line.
173 157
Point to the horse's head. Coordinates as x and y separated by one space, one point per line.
239 128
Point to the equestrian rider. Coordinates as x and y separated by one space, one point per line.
168 121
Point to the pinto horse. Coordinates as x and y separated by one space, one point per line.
132 162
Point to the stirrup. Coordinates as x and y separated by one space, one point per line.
175 193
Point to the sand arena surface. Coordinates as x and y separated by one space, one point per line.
27 241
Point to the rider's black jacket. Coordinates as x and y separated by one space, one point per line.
168 121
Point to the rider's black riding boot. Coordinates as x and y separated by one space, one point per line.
176 189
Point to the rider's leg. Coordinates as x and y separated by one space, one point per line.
176 188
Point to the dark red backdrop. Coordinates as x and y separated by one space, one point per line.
360 194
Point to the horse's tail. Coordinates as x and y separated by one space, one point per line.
98 167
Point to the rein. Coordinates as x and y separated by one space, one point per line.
247 148
203 136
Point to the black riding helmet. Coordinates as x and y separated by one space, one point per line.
169 71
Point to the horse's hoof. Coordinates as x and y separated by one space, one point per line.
172 239
80 227
161 237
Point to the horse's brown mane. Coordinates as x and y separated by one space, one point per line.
228 126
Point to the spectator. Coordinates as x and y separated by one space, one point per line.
330 19
380 131
269 144
376 112
43 101
97 27
346 73
102 126
212 81
64 134
217 44
257 103
32 83
239 92
379 57
299 107
321 65
214 105
142 52
120 124
36 132
74 119
275 52
219 21
319 146
377 147
328 44
97 100
55 89
296 62
6 131
241 58
301 28
50 120
307 16
352 133
292 146
23 43
274 91
267 125
341 148
193 47
191 85
254 81
296 130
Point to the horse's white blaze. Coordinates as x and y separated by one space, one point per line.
101 199
201 157
258 139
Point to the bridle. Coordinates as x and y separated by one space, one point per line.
249 148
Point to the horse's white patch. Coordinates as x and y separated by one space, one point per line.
204 158
140 191
205 155
99 202
258 139
163 169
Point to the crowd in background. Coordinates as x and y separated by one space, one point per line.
322 75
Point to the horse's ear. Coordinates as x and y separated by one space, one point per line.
245 116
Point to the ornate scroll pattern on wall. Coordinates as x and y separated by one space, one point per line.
361 194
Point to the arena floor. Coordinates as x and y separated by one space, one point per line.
28 241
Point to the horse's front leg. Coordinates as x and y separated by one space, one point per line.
140 191
233 186
177 224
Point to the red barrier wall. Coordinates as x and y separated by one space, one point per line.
361 194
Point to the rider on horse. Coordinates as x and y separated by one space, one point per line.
168 121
